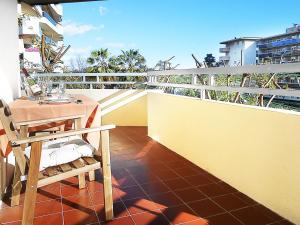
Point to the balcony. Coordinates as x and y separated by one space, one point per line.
51 28
56 9
281 43
152 185
224 50
29 28
224 58
183 160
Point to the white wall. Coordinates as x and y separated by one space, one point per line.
9 57
248 49
249 53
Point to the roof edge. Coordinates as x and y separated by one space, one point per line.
241 39
46 2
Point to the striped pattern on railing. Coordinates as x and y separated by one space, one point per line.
151 78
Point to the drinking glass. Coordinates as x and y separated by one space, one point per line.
49 87
61 88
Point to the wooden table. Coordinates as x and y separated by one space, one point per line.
27 114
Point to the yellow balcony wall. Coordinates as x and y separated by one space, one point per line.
119 107
255 150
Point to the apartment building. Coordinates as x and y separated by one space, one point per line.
34 21
239 51
281 48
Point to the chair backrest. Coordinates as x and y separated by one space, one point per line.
6 121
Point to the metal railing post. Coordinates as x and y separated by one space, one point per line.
202 94
194 79
211 80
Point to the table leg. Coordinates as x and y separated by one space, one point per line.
81 177
31 186
2 177
23 134
106 170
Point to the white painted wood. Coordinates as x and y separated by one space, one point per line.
194 79
9 39
104 82
61 135
211 80
264 91
271 68
93 75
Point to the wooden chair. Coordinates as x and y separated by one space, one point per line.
43 127
78 167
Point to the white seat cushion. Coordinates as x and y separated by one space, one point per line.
63 150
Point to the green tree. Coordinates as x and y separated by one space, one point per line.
99 61
132 61
210 60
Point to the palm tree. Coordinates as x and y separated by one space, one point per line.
113 64
132 61
99 60
100 63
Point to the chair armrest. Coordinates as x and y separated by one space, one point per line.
33 122
60 135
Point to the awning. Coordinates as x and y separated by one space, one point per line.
45 2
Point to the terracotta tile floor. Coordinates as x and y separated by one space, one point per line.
152 185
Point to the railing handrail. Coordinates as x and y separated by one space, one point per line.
93 74
100 82
233 70
153 78
250 90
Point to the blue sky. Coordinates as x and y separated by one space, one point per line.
164 28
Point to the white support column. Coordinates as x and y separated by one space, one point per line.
211 80
194 79
150 78
9 67
9 59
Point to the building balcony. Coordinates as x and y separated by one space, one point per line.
183 160
51 28
224 50
224 58
29 28
282 43
32 59
57 9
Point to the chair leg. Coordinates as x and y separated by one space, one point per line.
16 186
92 175
81 177
31 186
81 180
3 175
106 169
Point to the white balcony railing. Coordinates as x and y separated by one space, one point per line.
57 8
153 79
224 50
30 26
51 28
224 58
